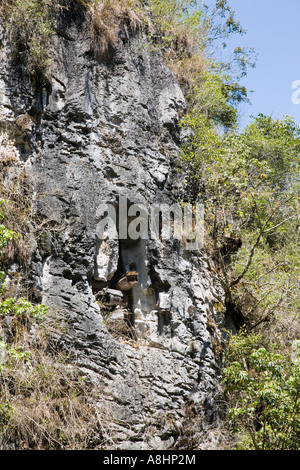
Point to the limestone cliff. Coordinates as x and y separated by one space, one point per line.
105 127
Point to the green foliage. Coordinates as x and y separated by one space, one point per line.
249 185
204 24
277 142
22 307
5 234
263 393
223 30
185 31
12 306
295 357
5 416
174 18
5 237
268 221
17 353
216 97
240 346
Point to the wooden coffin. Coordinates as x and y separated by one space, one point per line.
127 281
113 298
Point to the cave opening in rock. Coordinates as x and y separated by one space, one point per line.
116 276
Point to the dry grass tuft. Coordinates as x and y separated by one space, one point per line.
45 401
188 71
107 16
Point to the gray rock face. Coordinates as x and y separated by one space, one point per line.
102 129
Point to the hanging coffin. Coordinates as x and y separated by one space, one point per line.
113 298
127 281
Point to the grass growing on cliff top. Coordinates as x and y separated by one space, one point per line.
29 26
184 32
181 29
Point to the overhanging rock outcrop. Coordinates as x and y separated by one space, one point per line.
104 128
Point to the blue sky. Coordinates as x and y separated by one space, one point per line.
273 30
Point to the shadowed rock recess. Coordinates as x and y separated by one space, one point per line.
105 127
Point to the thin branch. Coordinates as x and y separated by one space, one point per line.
266 317
263 231
278 225
249 262
45 432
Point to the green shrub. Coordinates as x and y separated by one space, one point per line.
22 307
263 394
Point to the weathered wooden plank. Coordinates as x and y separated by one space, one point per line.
127 281
113 297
